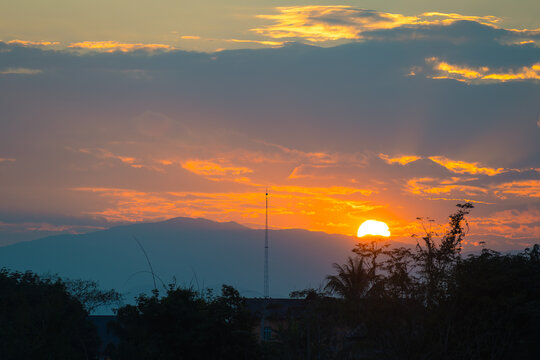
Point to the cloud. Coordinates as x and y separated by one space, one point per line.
327 166
436 18
326 191
7 160
113 46
113 159
215 171
290 207
427 186
13 232
304 171
487 190
31 43
206 133
400 159
323 23
520 188
514 223
463 167
330 23
484 74
20 71
262 42
48 227
241 41
326 172
106 154
165 162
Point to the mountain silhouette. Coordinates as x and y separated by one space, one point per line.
196 252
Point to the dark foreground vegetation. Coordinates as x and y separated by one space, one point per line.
44 317
185 324
428 302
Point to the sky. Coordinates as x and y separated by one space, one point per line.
117 112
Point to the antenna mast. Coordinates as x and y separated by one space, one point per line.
266 280
264 335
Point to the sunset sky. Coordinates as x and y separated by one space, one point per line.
119 111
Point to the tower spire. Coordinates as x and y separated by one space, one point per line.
266 280
265 336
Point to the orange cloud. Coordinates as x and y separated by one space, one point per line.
460 71
165 162
262 42
468 74
288 155
513 223
125 159
400 159
462 200
522 188
32 43
323 23
524 73
290 207
112 46
525 42
341 22
439 18
7 160
214 171
431 186
318 172
326 191
462 167
243 41
302 172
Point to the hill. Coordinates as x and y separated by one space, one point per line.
196 252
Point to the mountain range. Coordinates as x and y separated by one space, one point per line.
193 252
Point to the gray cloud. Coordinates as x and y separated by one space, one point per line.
130 120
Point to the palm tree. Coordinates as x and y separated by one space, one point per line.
352 281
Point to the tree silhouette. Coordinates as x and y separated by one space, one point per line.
185 324
352 281
435 261
40 319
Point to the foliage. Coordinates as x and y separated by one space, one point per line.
311 332
352 281
425 302
430 303
185 324
493 307
88 293
435 261
40 319
91 296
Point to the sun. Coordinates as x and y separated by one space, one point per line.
373 227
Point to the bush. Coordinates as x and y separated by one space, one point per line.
40 319
185 325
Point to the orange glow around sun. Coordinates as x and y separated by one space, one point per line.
373 227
